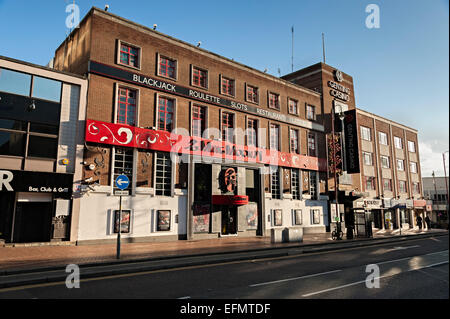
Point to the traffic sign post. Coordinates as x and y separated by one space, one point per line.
122 182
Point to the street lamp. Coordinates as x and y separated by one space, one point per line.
446 186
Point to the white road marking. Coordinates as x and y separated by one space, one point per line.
402 248
363 281
296 278
187 297
438 252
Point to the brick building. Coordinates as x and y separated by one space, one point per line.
250 151
380 177
390 174
245 157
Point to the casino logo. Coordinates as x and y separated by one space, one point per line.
338 75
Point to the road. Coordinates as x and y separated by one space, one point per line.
410 269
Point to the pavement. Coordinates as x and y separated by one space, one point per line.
23 265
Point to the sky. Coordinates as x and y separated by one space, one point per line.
400 69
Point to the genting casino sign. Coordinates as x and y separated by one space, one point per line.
183 144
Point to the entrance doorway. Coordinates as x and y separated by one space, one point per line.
253 191
229 220
32 222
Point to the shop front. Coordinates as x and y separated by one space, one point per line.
420 210
368 214
226 201
35 206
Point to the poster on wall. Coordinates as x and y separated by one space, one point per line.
316 216
252 216
163 220
124 223
277 217
201 218
298 217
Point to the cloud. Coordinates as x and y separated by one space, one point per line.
431 160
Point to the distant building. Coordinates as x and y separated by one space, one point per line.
434 189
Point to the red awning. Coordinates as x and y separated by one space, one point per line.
236 200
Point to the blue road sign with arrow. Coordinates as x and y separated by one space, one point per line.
122 182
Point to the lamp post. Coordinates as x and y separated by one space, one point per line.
446 186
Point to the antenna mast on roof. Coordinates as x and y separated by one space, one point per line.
292 63
323 47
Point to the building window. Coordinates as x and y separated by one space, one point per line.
402 186
46 89
12 144
385 161
41 146
198 120
294 141
129 55
165 113
163 174
252 132
295 183
15 82
400 165
126 106
274 101
167 67
293 106
252 94
275 183
312 149
313 185
367 158
387 184
369 183
411 146
274 137
19 138
227 86
383 138
365 133
228 127
199 77
413 167
123 164
416 188
310 112
398 142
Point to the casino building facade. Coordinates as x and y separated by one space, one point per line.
379 176
42 115
211 147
